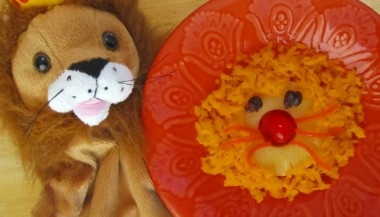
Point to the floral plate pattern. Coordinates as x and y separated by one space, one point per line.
193 57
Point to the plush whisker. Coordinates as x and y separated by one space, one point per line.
150 79
139 88
162 59
156 78
121 82
29 129
151 104
124 82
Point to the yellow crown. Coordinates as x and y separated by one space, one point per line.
36 3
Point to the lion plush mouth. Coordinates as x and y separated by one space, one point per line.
90 108
93 111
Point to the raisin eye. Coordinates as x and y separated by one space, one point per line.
254 104
292 98
42 62
110 40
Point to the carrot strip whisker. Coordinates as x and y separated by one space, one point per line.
331 132
252 151
319 115
241 140
241 127
312 153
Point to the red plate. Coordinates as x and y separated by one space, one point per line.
196 53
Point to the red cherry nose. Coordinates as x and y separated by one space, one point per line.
278 127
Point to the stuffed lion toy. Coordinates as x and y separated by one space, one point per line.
70 83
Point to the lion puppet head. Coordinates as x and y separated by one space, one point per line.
70 77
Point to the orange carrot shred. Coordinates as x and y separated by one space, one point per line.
312 153
319 115
332 132
241 140
240 127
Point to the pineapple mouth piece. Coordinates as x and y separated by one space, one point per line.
283 121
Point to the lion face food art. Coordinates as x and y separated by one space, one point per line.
69 103
283 121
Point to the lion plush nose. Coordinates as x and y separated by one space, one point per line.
91 67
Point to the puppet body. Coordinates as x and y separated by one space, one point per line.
69 104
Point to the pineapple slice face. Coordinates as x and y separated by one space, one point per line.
280 159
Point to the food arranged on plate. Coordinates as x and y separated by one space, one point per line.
282 121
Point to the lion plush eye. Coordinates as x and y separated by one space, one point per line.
110 40
42 62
